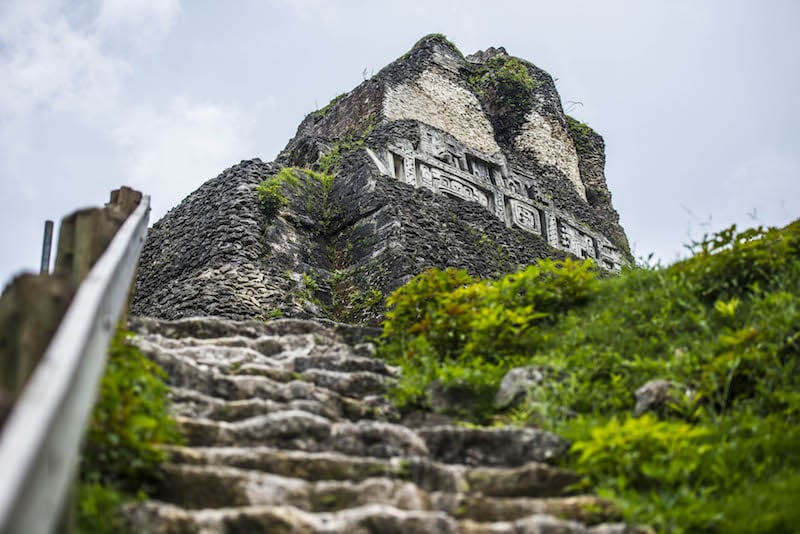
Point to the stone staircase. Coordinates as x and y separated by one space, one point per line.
287 430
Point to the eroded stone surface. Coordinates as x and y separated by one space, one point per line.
323 454
446 176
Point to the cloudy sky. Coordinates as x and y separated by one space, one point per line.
697 101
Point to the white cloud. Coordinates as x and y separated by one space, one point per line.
169 152
141 23
310 10
48 63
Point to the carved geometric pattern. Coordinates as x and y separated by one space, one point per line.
524 216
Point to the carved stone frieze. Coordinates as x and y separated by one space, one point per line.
442 165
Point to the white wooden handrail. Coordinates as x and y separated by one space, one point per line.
40 441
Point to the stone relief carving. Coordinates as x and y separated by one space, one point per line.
525 216
443 167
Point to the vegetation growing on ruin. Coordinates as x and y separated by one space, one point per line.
505 80
581 134
270 193
435 36
723 326
325 109
349 303
123 446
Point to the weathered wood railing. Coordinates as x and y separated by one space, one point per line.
41 435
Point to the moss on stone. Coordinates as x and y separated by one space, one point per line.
435 37
581 134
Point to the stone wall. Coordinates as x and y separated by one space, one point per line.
439 173
437 98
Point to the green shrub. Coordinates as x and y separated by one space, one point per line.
98 509
123 446
270 191
329 161
723 325
445 328
644 453
732 263
506 80
581 134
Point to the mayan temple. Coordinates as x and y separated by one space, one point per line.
439 160
260 295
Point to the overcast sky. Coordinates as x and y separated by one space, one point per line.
697 101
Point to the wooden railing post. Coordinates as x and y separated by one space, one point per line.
52 382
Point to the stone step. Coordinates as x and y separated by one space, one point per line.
159 518
214 327
155 517
197 487
343 363
269 356
190 403
529 480
506 446
296 429
266 381
205 486
587 509
546 524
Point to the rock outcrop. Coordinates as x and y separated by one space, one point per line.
287 430
439 160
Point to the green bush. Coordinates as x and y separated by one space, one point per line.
445 328
270 191
123 446
507 80
723 325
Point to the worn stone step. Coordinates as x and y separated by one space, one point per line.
546 524
507 446
296 429
160 518
529 480
268 381
342 362
193 404
587 509
190 403
204 486
350 384
269 356
155 517
215 327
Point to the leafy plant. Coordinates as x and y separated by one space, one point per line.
507 81
466 332
270 191
581 134
723 326
123 446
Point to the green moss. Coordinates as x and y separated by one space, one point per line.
270 193
505 80
581 133
324 110
329 162
276 313
437 37
725 324
351 304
